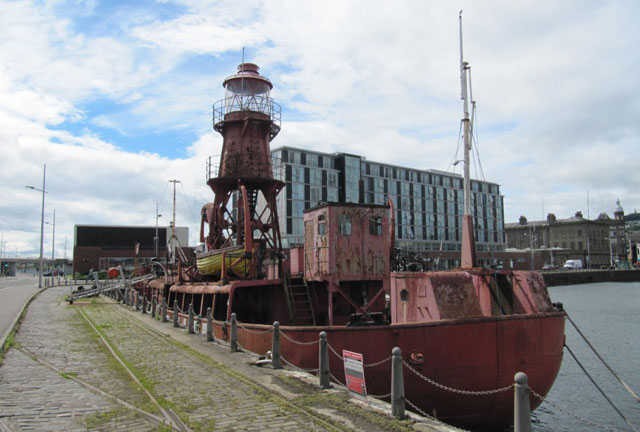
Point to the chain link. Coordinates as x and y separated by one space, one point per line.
297 342
430 417
246 351
256 332
570 414
334 351
297 367
454 390
384 396
378 363
335 379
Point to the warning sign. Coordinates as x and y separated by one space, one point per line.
354 372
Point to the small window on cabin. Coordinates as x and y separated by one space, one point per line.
375 226
345 224
322 225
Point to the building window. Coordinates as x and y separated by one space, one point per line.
345 224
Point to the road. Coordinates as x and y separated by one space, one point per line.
14 292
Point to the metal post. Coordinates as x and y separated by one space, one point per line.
138 301
397 384
521 407
275 349
190 321
209 325
234 333
144 304
176 323
163 310
323 362
153 307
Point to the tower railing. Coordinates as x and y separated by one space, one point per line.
253 103
277 168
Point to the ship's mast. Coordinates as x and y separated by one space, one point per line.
173 241
468 255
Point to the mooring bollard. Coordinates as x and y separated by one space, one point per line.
323 362
209 325
275 347
176 323
144 304
138 301
234 333
163 310
190 329
397 384
153 307
521 407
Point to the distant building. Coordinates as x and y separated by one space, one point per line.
428 203
99 247
596 242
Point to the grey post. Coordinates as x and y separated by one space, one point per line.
209 325
144 304
163 310
138 300
521 407
233 343
275 348
176 323
126 296
190 320
397 384
153 306
323 362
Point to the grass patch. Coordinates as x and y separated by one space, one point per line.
68 375
97 420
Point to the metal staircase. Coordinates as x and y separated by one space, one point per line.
299 301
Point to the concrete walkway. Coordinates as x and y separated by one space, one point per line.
64 374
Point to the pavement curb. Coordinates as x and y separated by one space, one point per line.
15 324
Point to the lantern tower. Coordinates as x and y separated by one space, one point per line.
248 119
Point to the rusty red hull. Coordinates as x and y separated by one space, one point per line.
472 354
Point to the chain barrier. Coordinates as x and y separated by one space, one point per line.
378 363
246 351
570 414
297 342
384 396
430 417
454 390
334 352
256 332
297 367
336 380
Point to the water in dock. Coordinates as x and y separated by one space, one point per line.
608 314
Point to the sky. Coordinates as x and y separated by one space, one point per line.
115 98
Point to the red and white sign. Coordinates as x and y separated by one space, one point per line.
354 372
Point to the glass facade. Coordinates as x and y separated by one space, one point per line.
428 204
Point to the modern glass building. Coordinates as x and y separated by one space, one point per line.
428 203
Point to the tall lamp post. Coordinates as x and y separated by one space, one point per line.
156 239
43 190
53 244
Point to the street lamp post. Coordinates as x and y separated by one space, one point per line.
53 244
156 239
610 251
43 190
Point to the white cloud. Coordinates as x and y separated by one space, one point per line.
557 102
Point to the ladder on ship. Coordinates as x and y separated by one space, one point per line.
299 301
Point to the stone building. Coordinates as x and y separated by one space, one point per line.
561 239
